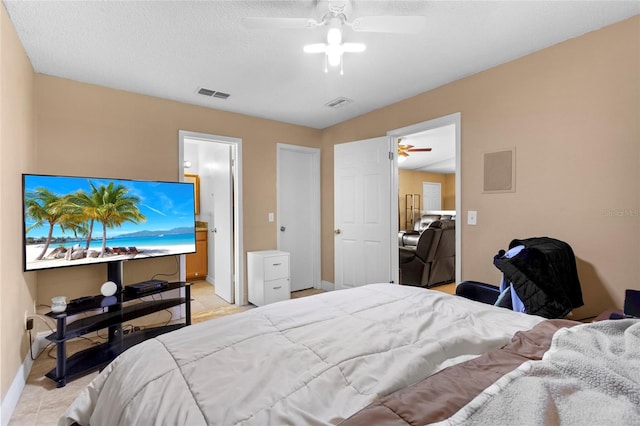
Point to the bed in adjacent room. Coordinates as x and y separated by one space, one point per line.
318 360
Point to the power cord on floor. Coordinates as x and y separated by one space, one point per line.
31 348
29 326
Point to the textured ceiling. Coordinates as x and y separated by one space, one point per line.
169 49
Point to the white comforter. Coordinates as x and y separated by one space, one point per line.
313 360
589 376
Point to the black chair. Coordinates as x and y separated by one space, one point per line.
432 260
415 262
480 292
539 278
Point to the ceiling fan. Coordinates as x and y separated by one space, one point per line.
404 150
335 20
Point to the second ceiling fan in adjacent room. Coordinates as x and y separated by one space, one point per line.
404 150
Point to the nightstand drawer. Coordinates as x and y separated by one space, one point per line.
276 267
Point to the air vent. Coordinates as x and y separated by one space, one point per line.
209 92
338 102
205 92
221 95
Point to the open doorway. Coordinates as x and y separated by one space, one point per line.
440 164
426 179
215 163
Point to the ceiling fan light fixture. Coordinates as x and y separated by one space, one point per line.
335 20
315 48
334 54
334 36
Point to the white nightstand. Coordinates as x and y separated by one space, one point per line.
268 274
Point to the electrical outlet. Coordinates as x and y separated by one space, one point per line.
26 321
29 324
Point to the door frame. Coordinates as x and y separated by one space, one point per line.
240 296
454 119
315 235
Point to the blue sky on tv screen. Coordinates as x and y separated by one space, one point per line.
166 205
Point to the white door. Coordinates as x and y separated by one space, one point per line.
221 221
362 214
298 221
431 196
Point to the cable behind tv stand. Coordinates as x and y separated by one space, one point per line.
116 310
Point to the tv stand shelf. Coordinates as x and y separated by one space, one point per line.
97 357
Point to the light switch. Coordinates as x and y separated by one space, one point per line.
271 218
472 217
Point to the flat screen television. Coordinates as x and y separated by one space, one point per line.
70 221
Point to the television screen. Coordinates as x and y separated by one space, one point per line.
72 221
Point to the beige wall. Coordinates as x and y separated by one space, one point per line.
17 290
410 182
572 111
449 192
87 130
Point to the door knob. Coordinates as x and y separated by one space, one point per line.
282 229
336 231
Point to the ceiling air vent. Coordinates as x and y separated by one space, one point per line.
221 95
338 102
205 92
209 92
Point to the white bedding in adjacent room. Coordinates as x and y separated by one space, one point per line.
314 360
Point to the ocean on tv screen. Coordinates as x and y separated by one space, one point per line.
73 220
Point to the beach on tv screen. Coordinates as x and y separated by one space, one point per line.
74 220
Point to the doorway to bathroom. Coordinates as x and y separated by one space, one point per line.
215 162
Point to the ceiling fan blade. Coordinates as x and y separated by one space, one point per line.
390 24
315 48
353 47
419 150
280 23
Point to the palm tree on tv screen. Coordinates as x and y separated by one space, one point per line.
108 204
111 206
46 207
88 206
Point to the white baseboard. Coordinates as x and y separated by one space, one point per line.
10 401
327 286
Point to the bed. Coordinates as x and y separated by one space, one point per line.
337 357
558 373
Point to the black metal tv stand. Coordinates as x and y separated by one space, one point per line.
116 310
